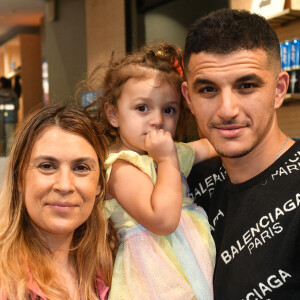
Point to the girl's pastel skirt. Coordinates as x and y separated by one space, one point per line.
178 266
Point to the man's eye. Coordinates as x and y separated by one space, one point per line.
247 86
142 108
208 90
169 110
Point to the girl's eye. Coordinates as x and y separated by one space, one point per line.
169 110
142 108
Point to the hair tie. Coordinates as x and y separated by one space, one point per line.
159 53
178 67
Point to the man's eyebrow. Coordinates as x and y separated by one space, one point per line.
200 81
250 77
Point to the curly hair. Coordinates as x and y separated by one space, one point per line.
161 60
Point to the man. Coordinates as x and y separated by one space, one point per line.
233 87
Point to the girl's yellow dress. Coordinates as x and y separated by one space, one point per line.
148 266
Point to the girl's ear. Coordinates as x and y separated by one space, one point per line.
112 114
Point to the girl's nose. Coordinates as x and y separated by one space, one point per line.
157 120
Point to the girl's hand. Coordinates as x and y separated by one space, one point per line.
160 146
145 202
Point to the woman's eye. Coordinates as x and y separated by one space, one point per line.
82 168
46 167
142 108
169 110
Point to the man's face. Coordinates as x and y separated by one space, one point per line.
234 98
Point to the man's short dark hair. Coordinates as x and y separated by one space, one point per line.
225 31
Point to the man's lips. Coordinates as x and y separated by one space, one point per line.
230 131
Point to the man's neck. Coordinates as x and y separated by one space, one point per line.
260 158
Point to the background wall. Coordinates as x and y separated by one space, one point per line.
105 27
65 49
171 21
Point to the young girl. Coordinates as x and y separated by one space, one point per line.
166 250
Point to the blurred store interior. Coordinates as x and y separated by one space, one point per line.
48 46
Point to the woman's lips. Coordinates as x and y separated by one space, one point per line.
61 206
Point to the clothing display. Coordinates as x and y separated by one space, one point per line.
150 266
256 228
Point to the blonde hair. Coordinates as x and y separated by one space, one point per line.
23 256
161 60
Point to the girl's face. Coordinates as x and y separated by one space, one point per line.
144 105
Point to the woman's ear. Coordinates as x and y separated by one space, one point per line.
98 189
112 114
20 186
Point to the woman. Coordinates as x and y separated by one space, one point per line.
55 242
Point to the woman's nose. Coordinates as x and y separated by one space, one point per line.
64 182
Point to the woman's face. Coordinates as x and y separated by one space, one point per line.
61 182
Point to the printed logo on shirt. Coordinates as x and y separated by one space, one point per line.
264 230
264 289
207 185
291 166
219 215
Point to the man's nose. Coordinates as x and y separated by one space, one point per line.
229 105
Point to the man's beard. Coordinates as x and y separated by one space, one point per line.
235 155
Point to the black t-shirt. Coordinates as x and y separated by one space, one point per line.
256 227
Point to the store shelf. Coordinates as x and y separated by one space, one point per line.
290 98
284 17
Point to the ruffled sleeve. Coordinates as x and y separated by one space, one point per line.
143 162
186 157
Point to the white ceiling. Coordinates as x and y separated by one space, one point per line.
18 15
